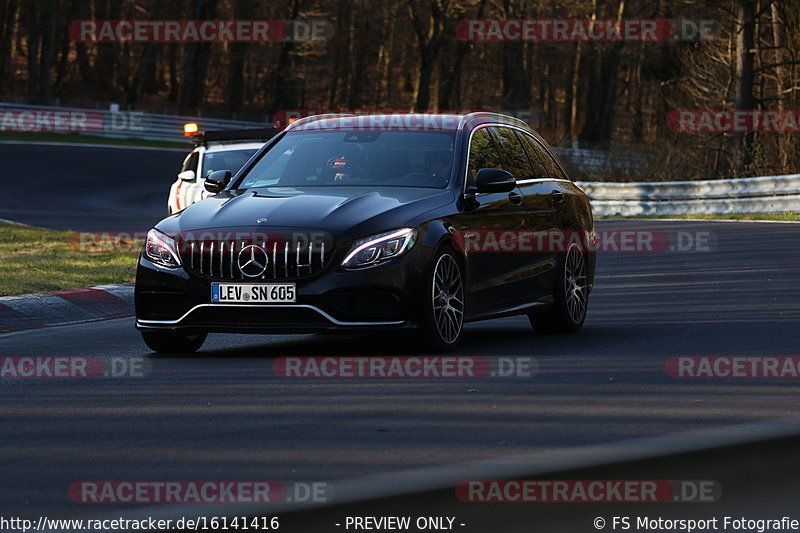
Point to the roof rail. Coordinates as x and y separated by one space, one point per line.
314 118
495 116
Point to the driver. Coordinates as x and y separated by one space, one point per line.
345 168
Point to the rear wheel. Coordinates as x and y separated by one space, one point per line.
172 342
571 295
444 305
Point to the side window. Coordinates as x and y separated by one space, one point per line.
535 154
482 154
512 153
557 172
551 168
190 163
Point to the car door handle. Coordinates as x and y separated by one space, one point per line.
515 197
558 196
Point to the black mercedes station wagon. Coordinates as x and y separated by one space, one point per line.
376 222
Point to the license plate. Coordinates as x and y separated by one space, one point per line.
256 293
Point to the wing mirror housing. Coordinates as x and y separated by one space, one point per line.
494 180
187 175
217 180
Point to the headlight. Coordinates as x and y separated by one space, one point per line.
161 250
380 248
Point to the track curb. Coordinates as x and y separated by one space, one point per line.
34 311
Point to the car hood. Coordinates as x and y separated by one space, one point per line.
336 209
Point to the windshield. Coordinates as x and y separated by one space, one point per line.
348 158
231 160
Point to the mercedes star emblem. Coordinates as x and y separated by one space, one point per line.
253 261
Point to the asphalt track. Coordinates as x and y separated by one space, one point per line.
223 414
86 188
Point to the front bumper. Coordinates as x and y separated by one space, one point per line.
382 297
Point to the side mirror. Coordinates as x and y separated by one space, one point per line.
187 175
494 180
217 180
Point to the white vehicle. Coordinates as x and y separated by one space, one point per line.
215 150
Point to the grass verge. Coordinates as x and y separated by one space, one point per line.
41 260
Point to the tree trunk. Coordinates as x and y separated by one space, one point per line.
745 44
106 56
33 47
602 92
173 73
195 63
238 54
602 97
63 61
574 89
429 28
516 82
637 90
779 42
358 65
450 95
287 89
426 64
9 17
385 61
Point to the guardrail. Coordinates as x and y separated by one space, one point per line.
583 160
109 123
764 194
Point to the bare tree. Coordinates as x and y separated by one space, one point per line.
745 49
428 19
195 62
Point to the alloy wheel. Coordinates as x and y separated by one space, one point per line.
448 298
575 288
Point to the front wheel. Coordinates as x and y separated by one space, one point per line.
444 303
173 343
571 295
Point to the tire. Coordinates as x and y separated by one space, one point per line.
173 343
571 296
443 313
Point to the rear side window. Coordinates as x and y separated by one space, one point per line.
482 154
539 169
513 155
550 167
